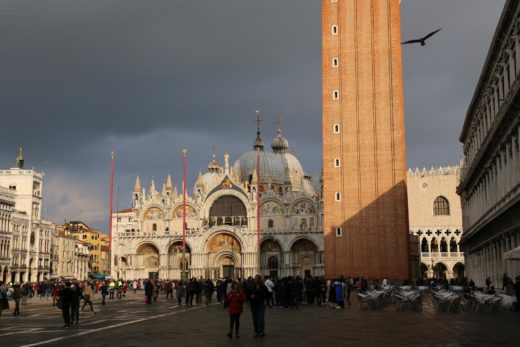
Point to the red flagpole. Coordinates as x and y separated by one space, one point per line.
111 210
258 201
184 152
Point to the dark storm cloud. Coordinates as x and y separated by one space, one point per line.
78 78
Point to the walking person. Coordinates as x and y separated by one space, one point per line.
111 289
104 293
180 291
235 300
257 294
66 297
88 294
54 294
270 287
209 288
148 291
74 305
4 303
339 293
17 296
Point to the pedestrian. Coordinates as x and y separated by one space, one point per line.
74 305
156 288
134 286
4 303
235 300
88 294
180 292
190 292
208 291
54 294
349 284
148 291
25 293
66 297
104 292
17 296
517 292
111 289
270 287
125 289
340 293
257 294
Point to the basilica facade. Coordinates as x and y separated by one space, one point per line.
221 222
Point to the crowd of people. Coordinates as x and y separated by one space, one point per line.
256 292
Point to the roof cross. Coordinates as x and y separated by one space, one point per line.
258 120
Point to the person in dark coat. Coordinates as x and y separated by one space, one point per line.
148 291
517 292
66 298
256 296
74 307
17 296
235 300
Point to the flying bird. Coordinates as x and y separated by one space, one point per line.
422 41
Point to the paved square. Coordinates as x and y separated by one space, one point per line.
129 322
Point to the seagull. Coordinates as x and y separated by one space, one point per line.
422 40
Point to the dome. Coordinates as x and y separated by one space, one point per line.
271 167
280 143
208 181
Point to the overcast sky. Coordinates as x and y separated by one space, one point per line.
78 78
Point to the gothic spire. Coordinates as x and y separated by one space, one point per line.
137 186
169 184
152 187
19 158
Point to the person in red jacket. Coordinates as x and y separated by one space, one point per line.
235 301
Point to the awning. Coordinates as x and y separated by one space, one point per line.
513 254
98 276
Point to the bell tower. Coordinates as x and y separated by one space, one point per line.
364 153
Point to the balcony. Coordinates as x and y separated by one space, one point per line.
442 254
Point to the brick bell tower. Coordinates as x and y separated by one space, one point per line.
364 154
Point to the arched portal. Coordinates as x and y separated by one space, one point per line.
458 270
148 260
179 260
224 256
304 254
440 271
270 257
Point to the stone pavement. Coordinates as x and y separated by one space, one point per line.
129 322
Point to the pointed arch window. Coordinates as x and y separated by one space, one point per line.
441 206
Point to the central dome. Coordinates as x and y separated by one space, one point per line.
271 167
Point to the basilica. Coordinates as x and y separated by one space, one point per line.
221 221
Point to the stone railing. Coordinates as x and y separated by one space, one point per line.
442 254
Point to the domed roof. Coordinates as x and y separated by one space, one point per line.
208 180
271 167
280 143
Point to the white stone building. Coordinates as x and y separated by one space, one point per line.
490 179
221 222
30 235
6 212
435 217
